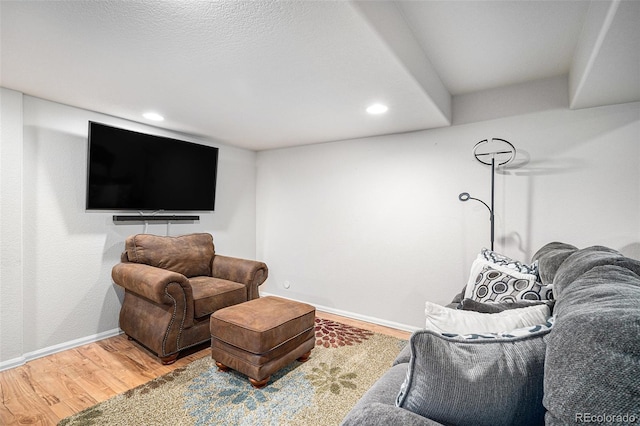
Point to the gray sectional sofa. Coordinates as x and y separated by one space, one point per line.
583 367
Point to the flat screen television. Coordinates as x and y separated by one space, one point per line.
128 170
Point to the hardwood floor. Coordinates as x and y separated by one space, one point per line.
48 389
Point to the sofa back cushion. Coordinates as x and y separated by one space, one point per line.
593 352
550 257
584 260
190 255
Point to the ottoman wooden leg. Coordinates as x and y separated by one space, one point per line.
222 367
305 357
259 384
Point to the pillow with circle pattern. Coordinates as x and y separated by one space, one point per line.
501 259
492 282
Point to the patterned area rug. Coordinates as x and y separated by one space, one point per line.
344 364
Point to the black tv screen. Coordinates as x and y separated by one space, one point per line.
128 170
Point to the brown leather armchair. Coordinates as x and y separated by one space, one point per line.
172 286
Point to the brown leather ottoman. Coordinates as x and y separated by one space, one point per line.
259 337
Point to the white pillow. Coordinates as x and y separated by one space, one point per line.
447 320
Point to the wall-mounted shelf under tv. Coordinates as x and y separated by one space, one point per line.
155 218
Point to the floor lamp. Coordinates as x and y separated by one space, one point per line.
496 153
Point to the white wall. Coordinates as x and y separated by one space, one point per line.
11 283
370 228
373 227
67 253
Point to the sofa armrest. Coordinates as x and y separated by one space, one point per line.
251 273
378 404
404 356
380 414
150 282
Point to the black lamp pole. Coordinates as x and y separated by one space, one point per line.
510 152
493 186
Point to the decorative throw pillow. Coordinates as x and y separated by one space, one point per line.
507 262
524 331
497 381
447 320
495 307
490 282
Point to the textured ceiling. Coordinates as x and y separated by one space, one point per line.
269 74
498 43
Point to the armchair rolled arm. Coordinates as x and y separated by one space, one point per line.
150 282
251 273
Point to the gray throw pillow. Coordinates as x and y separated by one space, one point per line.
495 307
494 381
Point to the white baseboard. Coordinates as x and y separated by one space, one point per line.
16 362
29 356
11 363
352 315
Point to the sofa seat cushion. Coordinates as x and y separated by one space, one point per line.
190 255
211 294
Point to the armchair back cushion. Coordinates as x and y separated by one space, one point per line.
190 255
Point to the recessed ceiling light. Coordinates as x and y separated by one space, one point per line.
377 109
153 116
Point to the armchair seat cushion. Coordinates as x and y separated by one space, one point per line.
211 294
